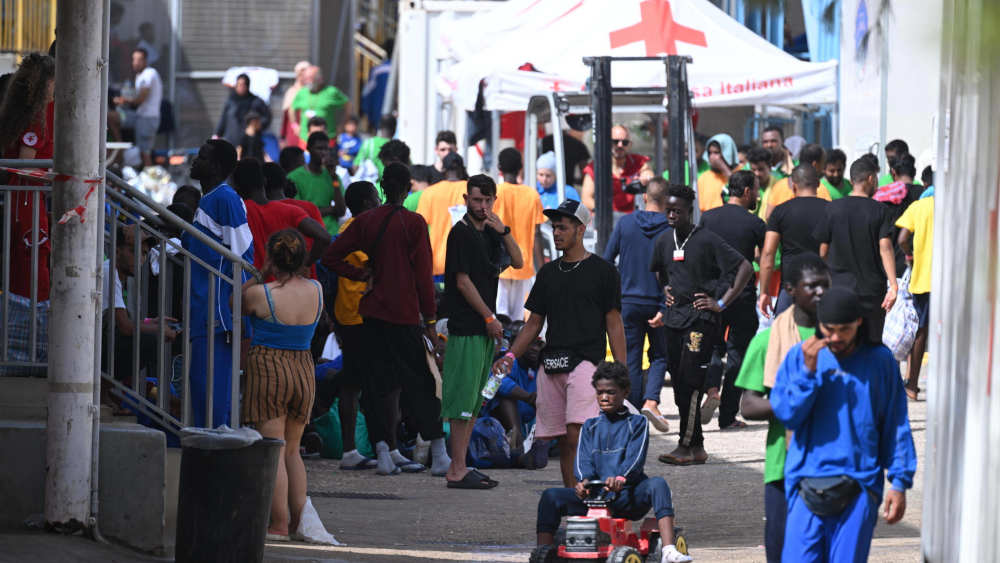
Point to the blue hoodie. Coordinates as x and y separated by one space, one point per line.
612 446
632 243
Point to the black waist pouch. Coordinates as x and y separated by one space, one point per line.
560 360
828 496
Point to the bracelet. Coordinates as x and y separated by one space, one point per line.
431 322
722 304
490 319
509 355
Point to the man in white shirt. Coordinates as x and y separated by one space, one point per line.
148 96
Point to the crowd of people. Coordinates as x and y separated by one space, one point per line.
446 308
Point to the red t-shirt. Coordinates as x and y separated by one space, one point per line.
38 138
267 219
623 202
313 212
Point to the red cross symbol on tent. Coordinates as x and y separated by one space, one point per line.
658 30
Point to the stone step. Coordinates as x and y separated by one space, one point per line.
23 398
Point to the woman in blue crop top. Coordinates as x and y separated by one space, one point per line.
280 379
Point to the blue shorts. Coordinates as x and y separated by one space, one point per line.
145 131
922 303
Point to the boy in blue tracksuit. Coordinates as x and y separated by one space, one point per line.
612 448
843 398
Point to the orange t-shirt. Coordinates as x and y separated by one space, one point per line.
782 192
710 184
520 208
442 205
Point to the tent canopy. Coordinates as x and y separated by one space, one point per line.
732 65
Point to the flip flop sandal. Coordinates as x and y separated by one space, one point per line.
484 476
671 460
657 420
277 537
736 425
411 467
708 409
472 481
365 463
395 471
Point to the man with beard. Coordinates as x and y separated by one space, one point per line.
477 245
807 277
580 296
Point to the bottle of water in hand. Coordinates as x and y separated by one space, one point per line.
492 385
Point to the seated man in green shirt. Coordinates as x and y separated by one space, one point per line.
318 99
318 184
807 278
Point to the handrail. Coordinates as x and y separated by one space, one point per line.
181 223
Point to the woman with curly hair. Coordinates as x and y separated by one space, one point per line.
280 376
26 133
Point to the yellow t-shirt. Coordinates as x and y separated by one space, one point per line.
919 220
782 192
520 208
710 184
349 292
442 205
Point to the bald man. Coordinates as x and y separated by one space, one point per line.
318 99
626 168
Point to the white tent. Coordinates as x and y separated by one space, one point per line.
732 65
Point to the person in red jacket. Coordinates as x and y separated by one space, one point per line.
399 314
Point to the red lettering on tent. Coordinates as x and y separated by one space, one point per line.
658 30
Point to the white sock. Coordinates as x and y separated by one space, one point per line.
439 447
398 458
385 464
352 457
439 457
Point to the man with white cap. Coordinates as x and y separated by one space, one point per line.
579 295
545 182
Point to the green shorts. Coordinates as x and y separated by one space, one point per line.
467 363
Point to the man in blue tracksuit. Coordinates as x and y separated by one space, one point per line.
843 398
612 449
632 244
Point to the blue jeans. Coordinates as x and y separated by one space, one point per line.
636 317
841 538
632 503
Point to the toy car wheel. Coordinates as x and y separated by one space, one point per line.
544 554
624 554
680 542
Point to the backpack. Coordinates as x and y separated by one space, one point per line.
488 446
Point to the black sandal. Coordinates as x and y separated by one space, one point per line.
472 480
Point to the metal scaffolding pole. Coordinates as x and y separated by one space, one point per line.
73 266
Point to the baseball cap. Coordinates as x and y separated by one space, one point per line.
570 208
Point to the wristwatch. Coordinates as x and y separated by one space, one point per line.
506 231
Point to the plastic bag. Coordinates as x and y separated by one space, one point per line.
311 528
329 429
221 438
901 322
488 446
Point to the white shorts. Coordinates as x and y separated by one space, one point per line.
511 297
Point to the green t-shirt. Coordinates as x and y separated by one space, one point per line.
836 192
324 103
369 151
317 189
752 377
412 201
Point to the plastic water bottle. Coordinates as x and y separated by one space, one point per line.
492 385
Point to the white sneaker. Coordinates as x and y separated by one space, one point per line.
671 555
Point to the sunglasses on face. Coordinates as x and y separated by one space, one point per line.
622 142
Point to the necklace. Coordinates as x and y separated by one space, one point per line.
573 267
686 239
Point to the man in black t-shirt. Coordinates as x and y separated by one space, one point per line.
580 296
856 240
695 267
743 231
791 225
473 264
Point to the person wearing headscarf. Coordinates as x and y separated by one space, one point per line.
721 156
545 182
794 145
840 393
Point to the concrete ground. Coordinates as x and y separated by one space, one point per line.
414 517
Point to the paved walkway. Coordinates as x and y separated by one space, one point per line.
413 518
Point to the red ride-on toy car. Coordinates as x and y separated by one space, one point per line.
599 537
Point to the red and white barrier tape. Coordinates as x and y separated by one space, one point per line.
39 174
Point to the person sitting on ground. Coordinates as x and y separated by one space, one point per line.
620 467
720 153
545 182
281 383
